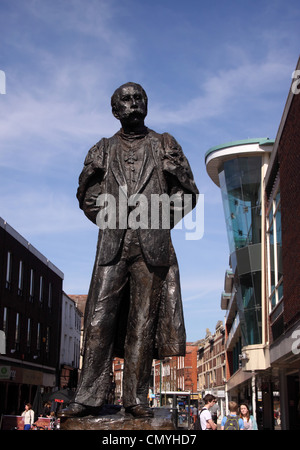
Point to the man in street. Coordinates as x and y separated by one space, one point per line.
134 306
206 421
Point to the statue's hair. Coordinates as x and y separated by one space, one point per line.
115 96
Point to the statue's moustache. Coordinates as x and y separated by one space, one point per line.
137 113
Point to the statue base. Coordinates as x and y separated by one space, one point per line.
163 419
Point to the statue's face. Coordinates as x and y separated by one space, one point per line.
131 106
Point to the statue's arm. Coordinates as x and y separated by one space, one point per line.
90 180
178 173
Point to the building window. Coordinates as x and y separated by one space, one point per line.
50 296
20 281
41 289
38 337
249 305
235 356
28 333
31 286
17 332
274 248
8 270
47 340
4 323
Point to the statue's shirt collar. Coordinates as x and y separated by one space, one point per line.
133 137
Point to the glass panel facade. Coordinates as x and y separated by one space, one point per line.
249 306
235 356
240 182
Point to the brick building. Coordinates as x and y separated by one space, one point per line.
80 302
118 366
30 321
282 195
70 343
177 373
211 367
187 368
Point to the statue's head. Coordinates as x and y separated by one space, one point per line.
129 103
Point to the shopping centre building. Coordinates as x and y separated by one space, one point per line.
259 183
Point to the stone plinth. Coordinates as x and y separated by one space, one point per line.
164 419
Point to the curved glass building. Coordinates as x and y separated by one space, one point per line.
238 168
259 183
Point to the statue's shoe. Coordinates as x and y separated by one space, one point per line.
139 411
78 410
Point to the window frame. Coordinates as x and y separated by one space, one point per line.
275 291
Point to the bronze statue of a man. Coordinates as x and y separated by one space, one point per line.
134 306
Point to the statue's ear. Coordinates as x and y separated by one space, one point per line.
115 112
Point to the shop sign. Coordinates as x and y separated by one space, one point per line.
32 377
5 373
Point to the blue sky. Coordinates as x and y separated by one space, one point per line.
214 72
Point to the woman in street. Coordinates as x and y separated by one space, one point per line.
28 415
249 421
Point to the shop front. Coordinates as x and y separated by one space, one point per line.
18 385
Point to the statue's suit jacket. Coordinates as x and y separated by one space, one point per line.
164 170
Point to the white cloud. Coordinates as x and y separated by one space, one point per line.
226 90
62 94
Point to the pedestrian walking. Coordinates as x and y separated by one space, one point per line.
232 421
28 415
206 421
215 411
195 413
46 410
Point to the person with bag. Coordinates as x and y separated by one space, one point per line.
206 422
232 421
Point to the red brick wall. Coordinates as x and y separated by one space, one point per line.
191 363
289 160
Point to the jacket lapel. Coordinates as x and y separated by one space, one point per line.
146 168
117 169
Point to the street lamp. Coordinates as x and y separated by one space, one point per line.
160 369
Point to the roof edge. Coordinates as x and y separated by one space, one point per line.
260 141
